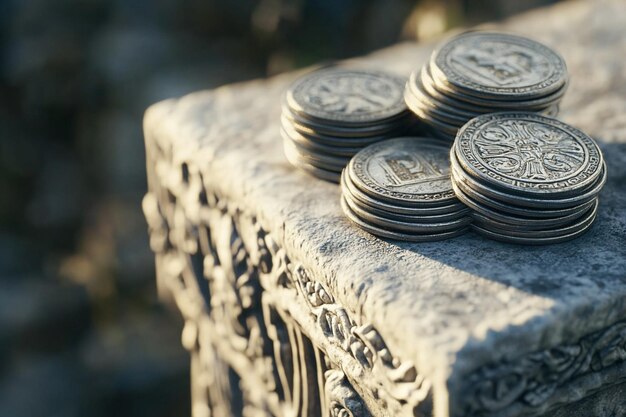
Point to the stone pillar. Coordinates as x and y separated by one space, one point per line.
292 311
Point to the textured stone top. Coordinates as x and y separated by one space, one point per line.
463 310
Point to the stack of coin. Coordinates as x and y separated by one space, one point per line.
485 72
529 179
400 189
331 114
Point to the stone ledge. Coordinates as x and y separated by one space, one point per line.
462 311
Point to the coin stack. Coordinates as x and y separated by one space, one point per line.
331 114
400 189
529 179
485 72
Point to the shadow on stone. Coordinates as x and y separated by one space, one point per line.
594 260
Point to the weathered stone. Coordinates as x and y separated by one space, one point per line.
291 309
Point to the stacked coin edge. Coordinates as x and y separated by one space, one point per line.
444 105
510 213
321 143
389 215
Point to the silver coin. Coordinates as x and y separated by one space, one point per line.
434 122
307 143
528 222
507 238
553 231
415 96
344 131
416 89
435 112
528 154
410 227
499 65
347 97
324 174
407 237
405 171
429 87
446 138
533 104
470 103
368 201
359 206
338 141
513 203
480 189
334 163
489 206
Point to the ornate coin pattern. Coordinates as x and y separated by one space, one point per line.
499 64
485 72
401 189
529 179
528 153
404 169
331 114
348 96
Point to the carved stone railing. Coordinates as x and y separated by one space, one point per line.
291 311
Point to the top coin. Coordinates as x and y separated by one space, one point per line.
528 154
499 66
347 97
405 171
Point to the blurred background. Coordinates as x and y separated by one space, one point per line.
81 330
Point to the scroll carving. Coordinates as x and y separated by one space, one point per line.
534 379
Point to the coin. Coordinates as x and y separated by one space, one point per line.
307 143
346 131
347 97
336 140
527 154
416 89
470 103
422 216
368 201
529 221
512 206
409 237
507 238
333 163
564 228
437 112
410 226
404 171
447 130
328 175
515 203
499 65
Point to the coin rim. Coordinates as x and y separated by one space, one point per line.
471 164
295 102
356 170
383 205
406 237
557 78
557 230
530 241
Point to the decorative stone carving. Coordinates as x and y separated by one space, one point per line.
534 378
289 310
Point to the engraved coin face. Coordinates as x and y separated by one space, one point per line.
528 153
406 171
348 96
496 64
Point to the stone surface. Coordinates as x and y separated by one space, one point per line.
466 327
